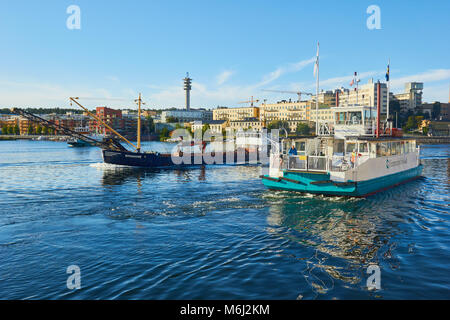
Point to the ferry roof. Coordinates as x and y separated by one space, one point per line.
382 138
298 137
352 107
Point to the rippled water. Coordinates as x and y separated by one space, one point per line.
213 233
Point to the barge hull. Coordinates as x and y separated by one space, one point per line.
160 160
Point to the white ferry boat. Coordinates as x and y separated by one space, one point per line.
357 160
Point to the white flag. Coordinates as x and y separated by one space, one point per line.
316 65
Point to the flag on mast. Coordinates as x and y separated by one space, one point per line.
354 80
387 73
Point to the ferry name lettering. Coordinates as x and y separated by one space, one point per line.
396 163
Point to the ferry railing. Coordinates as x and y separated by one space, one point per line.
307 163
295 162
317 163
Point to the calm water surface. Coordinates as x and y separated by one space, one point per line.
213 233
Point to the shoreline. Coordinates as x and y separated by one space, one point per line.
62 138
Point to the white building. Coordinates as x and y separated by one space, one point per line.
365 95
411 99
187 116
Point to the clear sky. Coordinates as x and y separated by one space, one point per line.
232 49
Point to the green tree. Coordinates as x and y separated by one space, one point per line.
204 128
171 120
411 124
45 131
30 130
16 129
278 124
150 124
38 129
10 130
165 133
5 130
303 129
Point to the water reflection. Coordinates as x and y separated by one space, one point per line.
121 175
342 236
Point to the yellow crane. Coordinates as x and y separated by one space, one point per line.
251 101
299 93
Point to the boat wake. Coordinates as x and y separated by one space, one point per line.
107 166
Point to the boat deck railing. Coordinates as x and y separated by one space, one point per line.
317 163
307 163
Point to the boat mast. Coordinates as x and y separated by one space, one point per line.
139 125
388 80
378 107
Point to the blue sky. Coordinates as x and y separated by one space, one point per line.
232 49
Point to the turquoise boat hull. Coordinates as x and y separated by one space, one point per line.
320 183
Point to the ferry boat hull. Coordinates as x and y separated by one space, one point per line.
320 183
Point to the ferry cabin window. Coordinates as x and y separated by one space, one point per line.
363 147
355 117
393 148
350 147
338 146
383 149
300 146
340 117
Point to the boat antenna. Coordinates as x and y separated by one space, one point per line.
316 73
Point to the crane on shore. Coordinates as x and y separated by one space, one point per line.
299 93
251 101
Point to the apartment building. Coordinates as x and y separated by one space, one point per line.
246 124
235 114
215 126
182 115
411 99
283 110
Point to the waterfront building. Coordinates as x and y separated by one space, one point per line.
326 98
297 112
9 121
365 95
235 114
246 124
411 99
445 112
111 117
283 110
215 126
325 114
149 113
182 115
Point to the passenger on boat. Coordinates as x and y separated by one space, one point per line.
292 152
353 159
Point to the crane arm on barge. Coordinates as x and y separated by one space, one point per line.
107 143
74 99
